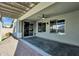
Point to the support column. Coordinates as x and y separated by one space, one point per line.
20 30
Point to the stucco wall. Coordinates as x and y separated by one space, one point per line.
71 29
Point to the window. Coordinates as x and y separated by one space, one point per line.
41 27
60 26
53 26
7 22
57 26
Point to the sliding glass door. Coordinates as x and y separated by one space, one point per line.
28 29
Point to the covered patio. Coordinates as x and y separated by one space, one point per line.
40 28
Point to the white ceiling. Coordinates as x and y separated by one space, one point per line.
55 9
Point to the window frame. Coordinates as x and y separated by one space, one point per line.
42 27
57 23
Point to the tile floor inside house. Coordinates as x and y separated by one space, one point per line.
54 48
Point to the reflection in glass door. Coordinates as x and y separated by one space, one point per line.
28 29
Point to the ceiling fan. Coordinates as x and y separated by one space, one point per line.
44 16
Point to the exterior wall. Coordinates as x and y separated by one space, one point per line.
34 28
17 32
71 35
0 31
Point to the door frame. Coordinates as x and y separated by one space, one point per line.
23 31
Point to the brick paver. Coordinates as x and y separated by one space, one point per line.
8 47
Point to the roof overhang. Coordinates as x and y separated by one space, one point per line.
40 6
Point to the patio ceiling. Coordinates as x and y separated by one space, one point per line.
55 9
36 9
15 9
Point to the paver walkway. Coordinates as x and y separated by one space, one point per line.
8 47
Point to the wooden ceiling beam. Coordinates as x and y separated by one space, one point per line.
24 4
16 9
9 10
16 6
10 7
4 13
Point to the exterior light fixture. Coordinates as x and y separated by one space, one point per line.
43 16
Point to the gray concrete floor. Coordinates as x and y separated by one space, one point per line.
54 48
